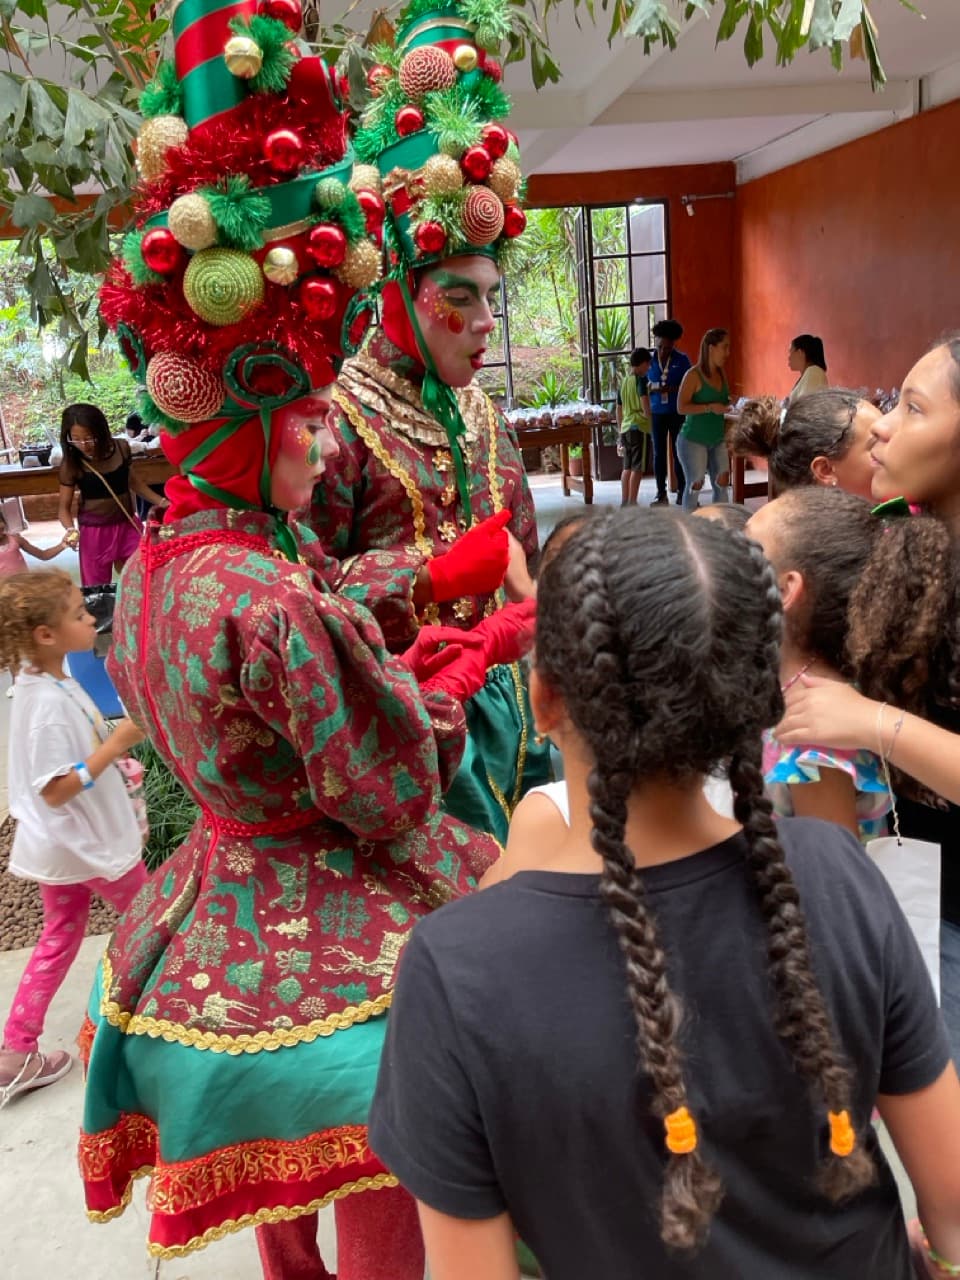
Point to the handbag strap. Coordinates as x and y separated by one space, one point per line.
886 768
100 475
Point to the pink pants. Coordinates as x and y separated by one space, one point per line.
65 911
104 545
378 1238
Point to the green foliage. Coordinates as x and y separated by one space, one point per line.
240 211
613 330
170 811
551 390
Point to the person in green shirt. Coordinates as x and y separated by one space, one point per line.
633 418
704 398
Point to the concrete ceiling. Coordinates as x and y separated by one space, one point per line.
615 108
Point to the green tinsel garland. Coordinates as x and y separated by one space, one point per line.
490 19
150 412
164 95
134 263
348 214
445 210
239 210
488 96
378 129
511 254
455 118
272 36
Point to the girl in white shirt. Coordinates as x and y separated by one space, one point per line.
806 358
77 831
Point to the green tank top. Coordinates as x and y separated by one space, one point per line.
707 428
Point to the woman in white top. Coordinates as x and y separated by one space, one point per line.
807 359
77 830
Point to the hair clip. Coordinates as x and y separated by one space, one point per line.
842 1136
895 507
681 1132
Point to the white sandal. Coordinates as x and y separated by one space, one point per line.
48 1069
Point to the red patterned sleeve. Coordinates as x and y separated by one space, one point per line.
317 673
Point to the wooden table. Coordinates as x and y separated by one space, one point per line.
738 469
30 482
564 437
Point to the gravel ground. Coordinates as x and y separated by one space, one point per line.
21 915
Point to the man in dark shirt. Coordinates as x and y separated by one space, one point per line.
666 373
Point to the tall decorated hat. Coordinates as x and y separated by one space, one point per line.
243 285
450 169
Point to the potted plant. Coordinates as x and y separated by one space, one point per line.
575 455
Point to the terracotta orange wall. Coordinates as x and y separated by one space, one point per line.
858 245
702 281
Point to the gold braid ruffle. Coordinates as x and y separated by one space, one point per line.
136 1024
398 400
189 1184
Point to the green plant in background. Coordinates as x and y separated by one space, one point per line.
170 810
551 390
613 330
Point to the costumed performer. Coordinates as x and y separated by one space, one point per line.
426 459
235 1031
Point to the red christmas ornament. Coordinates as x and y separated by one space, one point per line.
408 120
514 221
377 78
319 298
482 216
160 251
327 245
476 163
283 149
493 69
309 83
495 140
373 208
430 237
286 11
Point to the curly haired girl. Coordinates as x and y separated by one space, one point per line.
641 1057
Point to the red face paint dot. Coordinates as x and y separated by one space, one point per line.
455 322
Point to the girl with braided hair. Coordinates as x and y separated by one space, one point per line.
641 1056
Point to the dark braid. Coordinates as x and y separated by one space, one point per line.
681 621
802 1020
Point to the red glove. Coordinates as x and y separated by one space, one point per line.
475 565
508 633
461 675
433 643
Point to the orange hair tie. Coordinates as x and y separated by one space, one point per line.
681 1132
842 1136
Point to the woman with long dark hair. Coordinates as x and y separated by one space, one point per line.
100 469
659 1051
806 358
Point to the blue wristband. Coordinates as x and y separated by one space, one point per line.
83 773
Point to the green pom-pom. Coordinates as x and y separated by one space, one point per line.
164 95
511 255
240 211
454 118
489 99
273 37
154 416
133 261
329 194
490 20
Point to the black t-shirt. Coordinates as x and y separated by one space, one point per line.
509 1080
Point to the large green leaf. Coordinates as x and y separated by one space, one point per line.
32 211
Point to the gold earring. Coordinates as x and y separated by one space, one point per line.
539 739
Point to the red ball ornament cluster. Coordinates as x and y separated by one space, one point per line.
160 251
430 237
514 221
319 299
327 245
284 150
286 11
476 163
409 119
493 69
495 141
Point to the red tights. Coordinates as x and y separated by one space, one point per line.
378 1238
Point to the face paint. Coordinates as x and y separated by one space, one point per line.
306 443
454 308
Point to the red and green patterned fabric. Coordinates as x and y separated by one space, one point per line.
239 1013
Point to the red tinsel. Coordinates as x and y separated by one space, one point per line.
234 145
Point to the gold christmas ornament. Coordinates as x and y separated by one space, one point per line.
280 265
157 135
442 176
361 267
243 57
366 177
191 222
465 57
222 285
505 179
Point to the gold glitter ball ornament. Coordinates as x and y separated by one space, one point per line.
157 135
222 285
361 267
442 176
465 57
243 57
366 177
505 179
280 265
191 222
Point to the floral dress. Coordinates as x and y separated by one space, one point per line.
784 767
236 1027
387 505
